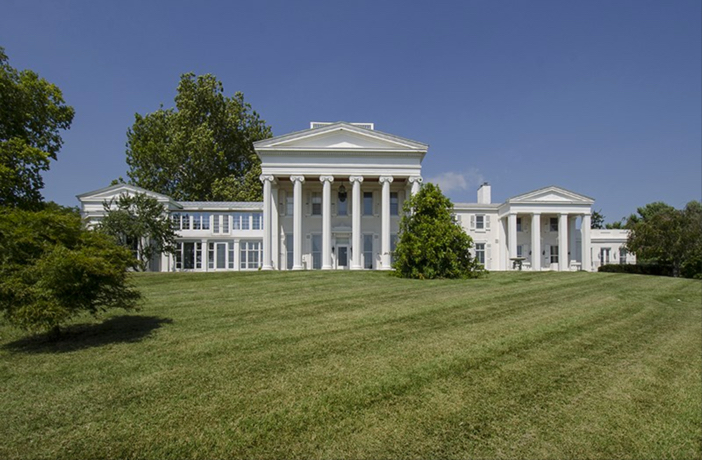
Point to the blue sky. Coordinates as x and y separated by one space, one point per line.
600 97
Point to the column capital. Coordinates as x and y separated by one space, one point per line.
297 178
266 177
358 179
563 213
329 179
413 179
387 179
538 213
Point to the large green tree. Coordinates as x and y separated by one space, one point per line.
139 222
431 244
32 114
52 269
665 235
201 150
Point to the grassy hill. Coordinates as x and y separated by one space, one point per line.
364 365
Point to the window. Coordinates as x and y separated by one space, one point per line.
188 256
604 255
257 221
480 253
211 255
205 218
289 251
197 220
185 222
368 251
367 203
316 204
622 255
519 224
175 221
554 254
230 263
241 220
394 204
250 255
520 251
179 256
553 224
225 223
215 224
289 205
317 251
480 222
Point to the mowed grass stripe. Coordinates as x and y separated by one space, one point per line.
363 365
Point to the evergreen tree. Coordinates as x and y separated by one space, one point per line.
431 244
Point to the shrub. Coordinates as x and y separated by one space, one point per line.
51 269
431 244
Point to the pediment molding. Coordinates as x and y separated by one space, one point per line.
340 137
552 194
113 191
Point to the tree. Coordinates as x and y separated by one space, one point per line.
139 222
431 244
201 150
32 113
52 269
664 235
597 220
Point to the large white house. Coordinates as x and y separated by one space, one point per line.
332 199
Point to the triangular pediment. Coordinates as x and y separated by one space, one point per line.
552 194
114 191
342 137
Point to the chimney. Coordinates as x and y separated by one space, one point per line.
484 194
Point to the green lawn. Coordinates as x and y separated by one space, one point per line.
364 365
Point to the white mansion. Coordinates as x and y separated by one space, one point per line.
332 199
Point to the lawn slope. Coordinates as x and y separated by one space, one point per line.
364 365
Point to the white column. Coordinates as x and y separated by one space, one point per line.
562 242
297 221
416 182
585 242
275 229
237 255
571 239
356 209
326 221
512 233
267 224
205 254
503 263
385 223
536 241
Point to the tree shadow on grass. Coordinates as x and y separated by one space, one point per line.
119 329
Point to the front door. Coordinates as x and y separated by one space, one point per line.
221 256
343 258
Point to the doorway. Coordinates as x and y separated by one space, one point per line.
220 256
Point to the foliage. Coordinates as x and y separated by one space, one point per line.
431 245
32 112
597 220
615 225
139 223
668 236
51 269
202 150
638 269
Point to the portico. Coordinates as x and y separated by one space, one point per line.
309 172
541 228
